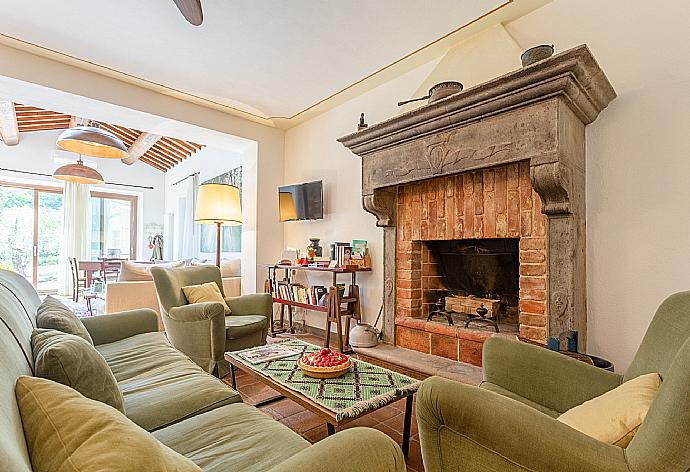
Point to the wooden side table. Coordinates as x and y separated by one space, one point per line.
90 295
333 309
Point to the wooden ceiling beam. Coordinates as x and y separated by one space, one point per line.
140 146
161 157
174 152
38 121
186 145
153 164
42 127
9 129
126 131
162 162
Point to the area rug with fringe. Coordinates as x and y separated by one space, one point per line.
364 388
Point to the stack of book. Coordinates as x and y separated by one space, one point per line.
301 294
343 254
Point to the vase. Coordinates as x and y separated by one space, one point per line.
314 246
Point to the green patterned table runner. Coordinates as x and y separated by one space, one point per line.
366 387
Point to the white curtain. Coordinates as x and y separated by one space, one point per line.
187 232
76 211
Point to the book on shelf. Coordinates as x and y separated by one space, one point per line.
359 248
343 254
301 294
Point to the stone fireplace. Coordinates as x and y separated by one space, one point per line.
482 194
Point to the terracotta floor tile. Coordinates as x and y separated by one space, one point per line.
365 421
284 408
303 421
397 422
414 458
316 434
385 413
395 435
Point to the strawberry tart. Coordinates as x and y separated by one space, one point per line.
324 364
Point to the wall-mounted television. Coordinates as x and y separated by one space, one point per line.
301 201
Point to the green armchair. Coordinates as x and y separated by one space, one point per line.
509 422
201 330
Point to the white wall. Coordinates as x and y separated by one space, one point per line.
36 80
638 165
36 152
312 153
637 151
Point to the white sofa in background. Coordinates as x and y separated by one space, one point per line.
132 294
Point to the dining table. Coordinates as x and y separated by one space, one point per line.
91 267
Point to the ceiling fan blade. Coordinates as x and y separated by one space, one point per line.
191 10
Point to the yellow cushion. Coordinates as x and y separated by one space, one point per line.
208 292
615 416
66 432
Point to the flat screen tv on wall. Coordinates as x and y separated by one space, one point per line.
301 201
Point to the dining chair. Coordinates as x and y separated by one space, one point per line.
77 281
110 269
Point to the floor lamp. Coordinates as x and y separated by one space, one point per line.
218 204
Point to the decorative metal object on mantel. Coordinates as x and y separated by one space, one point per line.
536 54
438 92
361 125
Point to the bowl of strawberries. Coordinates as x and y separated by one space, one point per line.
324 364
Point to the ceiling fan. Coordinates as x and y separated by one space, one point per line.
191 10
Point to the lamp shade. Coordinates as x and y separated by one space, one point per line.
92 141
218 203
78 173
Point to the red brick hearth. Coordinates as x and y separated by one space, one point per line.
497 202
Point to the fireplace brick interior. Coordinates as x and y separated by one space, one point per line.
493 203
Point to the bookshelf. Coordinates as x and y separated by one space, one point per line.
330 301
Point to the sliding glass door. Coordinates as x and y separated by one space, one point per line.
31 230
113 225
48 225
17 231
30 225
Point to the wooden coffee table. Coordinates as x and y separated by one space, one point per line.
364 389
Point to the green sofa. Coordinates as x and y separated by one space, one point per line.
170 396
509 422
201 330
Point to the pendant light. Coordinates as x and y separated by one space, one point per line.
78 173
90 140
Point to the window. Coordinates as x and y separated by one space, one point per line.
113 225
30 231
230 236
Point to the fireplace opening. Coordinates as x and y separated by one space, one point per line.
470 274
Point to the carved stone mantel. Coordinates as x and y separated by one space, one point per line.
537 113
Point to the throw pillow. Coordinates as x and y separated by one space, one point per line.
138 272
53 314
69 433
615 416
70 360
134 272
208 292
